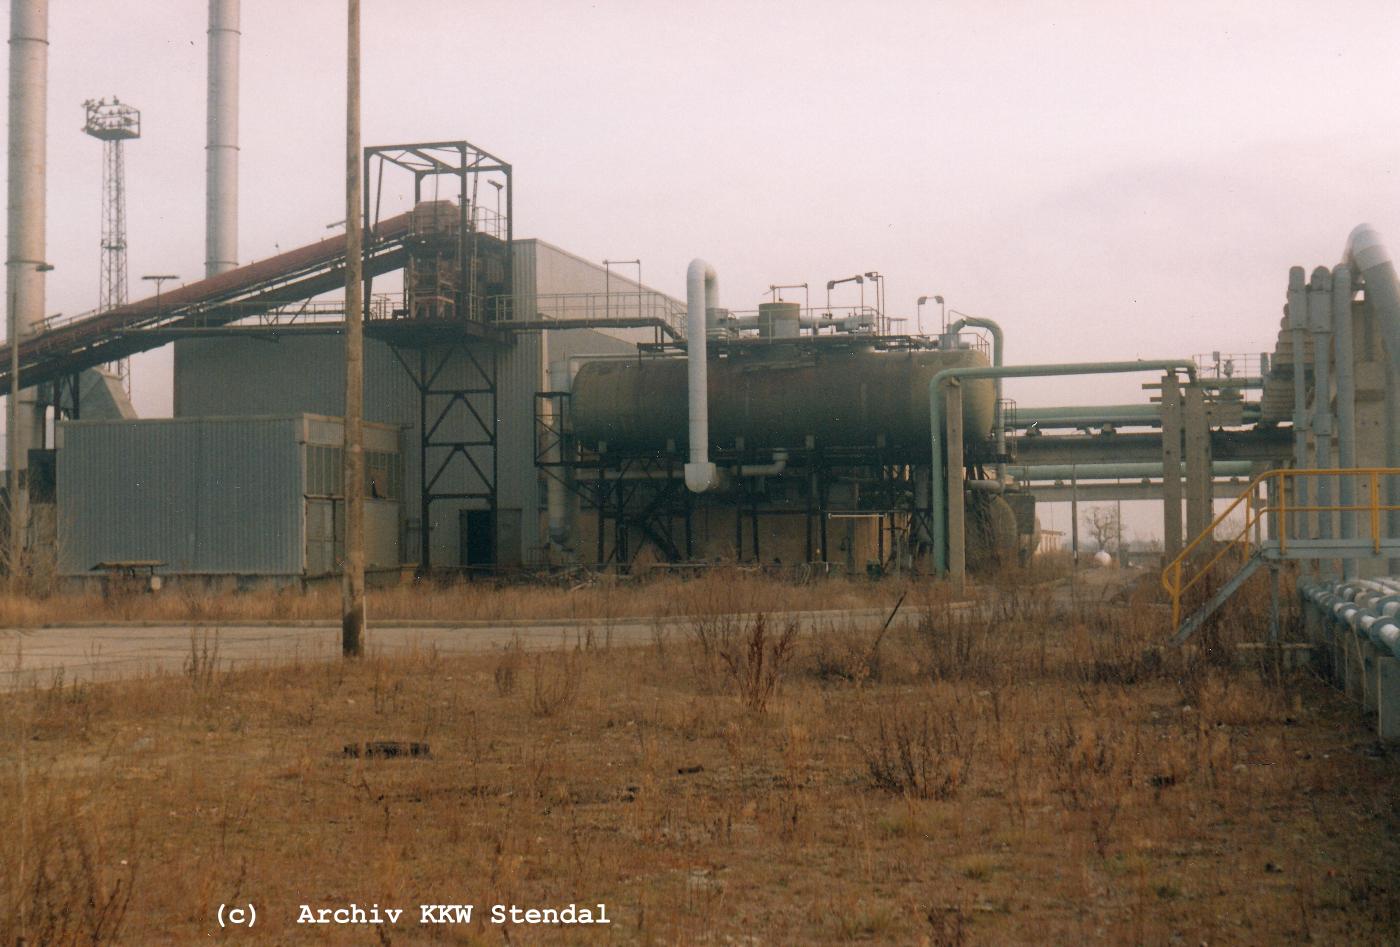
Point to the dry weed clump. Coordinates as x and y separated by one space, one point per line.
1093 764
508 667
740 654
555 679
757 664
66 891
920 746
959 644
850 653
1114 646
853 652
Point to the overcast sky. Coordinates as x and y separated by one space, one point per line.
1106 179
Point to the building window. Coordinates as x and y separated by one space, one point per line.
324 473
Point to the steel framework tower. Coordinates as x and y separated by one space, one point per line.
113 123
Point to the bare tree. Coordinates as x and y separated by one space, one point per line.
1104 526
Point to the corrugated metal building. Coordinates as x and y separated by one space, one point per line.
245 496
239 376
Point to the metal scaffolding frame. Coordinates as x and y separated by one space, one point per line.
457 273
632 495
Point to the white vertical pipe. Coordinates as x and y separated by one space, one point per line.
701 298
1320 326
221 140
24 280
1345 356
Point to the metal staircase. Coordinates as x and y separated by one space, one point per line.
1274 521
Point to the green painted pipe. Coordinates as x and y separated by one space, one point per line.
1088 415
1125 471
937 486
998 350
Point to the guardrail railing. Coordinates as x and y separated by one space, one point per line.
1285 508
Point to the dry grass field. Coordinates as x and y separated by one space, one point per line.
1016 772
587 596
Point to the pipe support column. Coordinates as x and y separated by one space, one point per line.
1196 435
1171 467
1345 356
957 510
1297 324
1320 327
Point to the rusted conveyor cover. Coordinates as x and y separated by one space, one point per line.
218 300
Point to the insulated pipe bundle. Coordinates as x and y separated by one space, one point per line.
1371 609
1370 262
1371 266
1320 326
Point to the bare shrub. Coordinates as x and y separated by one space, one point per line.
853 655
756 661
1114 646
955 644
849 654
202 663
1020 602
1092 764
712 636
947 926
555 682
67 895
508 668
919 749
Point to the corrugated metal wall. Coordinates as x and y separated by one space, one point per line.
208 496
325 534
204 497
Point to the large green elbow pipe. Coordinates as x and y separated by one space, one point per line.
937 486
998 349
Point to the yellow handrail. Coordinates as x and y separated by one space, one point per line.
1258 508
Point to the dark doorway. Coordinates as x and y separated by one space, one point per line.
478 540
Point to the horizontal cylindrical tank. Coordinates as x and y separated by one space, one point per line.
778 397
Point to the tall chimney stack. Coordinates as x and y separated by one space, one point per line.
24 278
221 148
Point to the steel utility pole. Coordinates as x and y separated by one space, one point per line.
352 622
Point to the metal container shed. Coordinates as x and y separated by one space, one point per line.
246 496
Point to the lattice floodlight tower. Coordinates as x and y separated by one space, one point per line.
113 123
